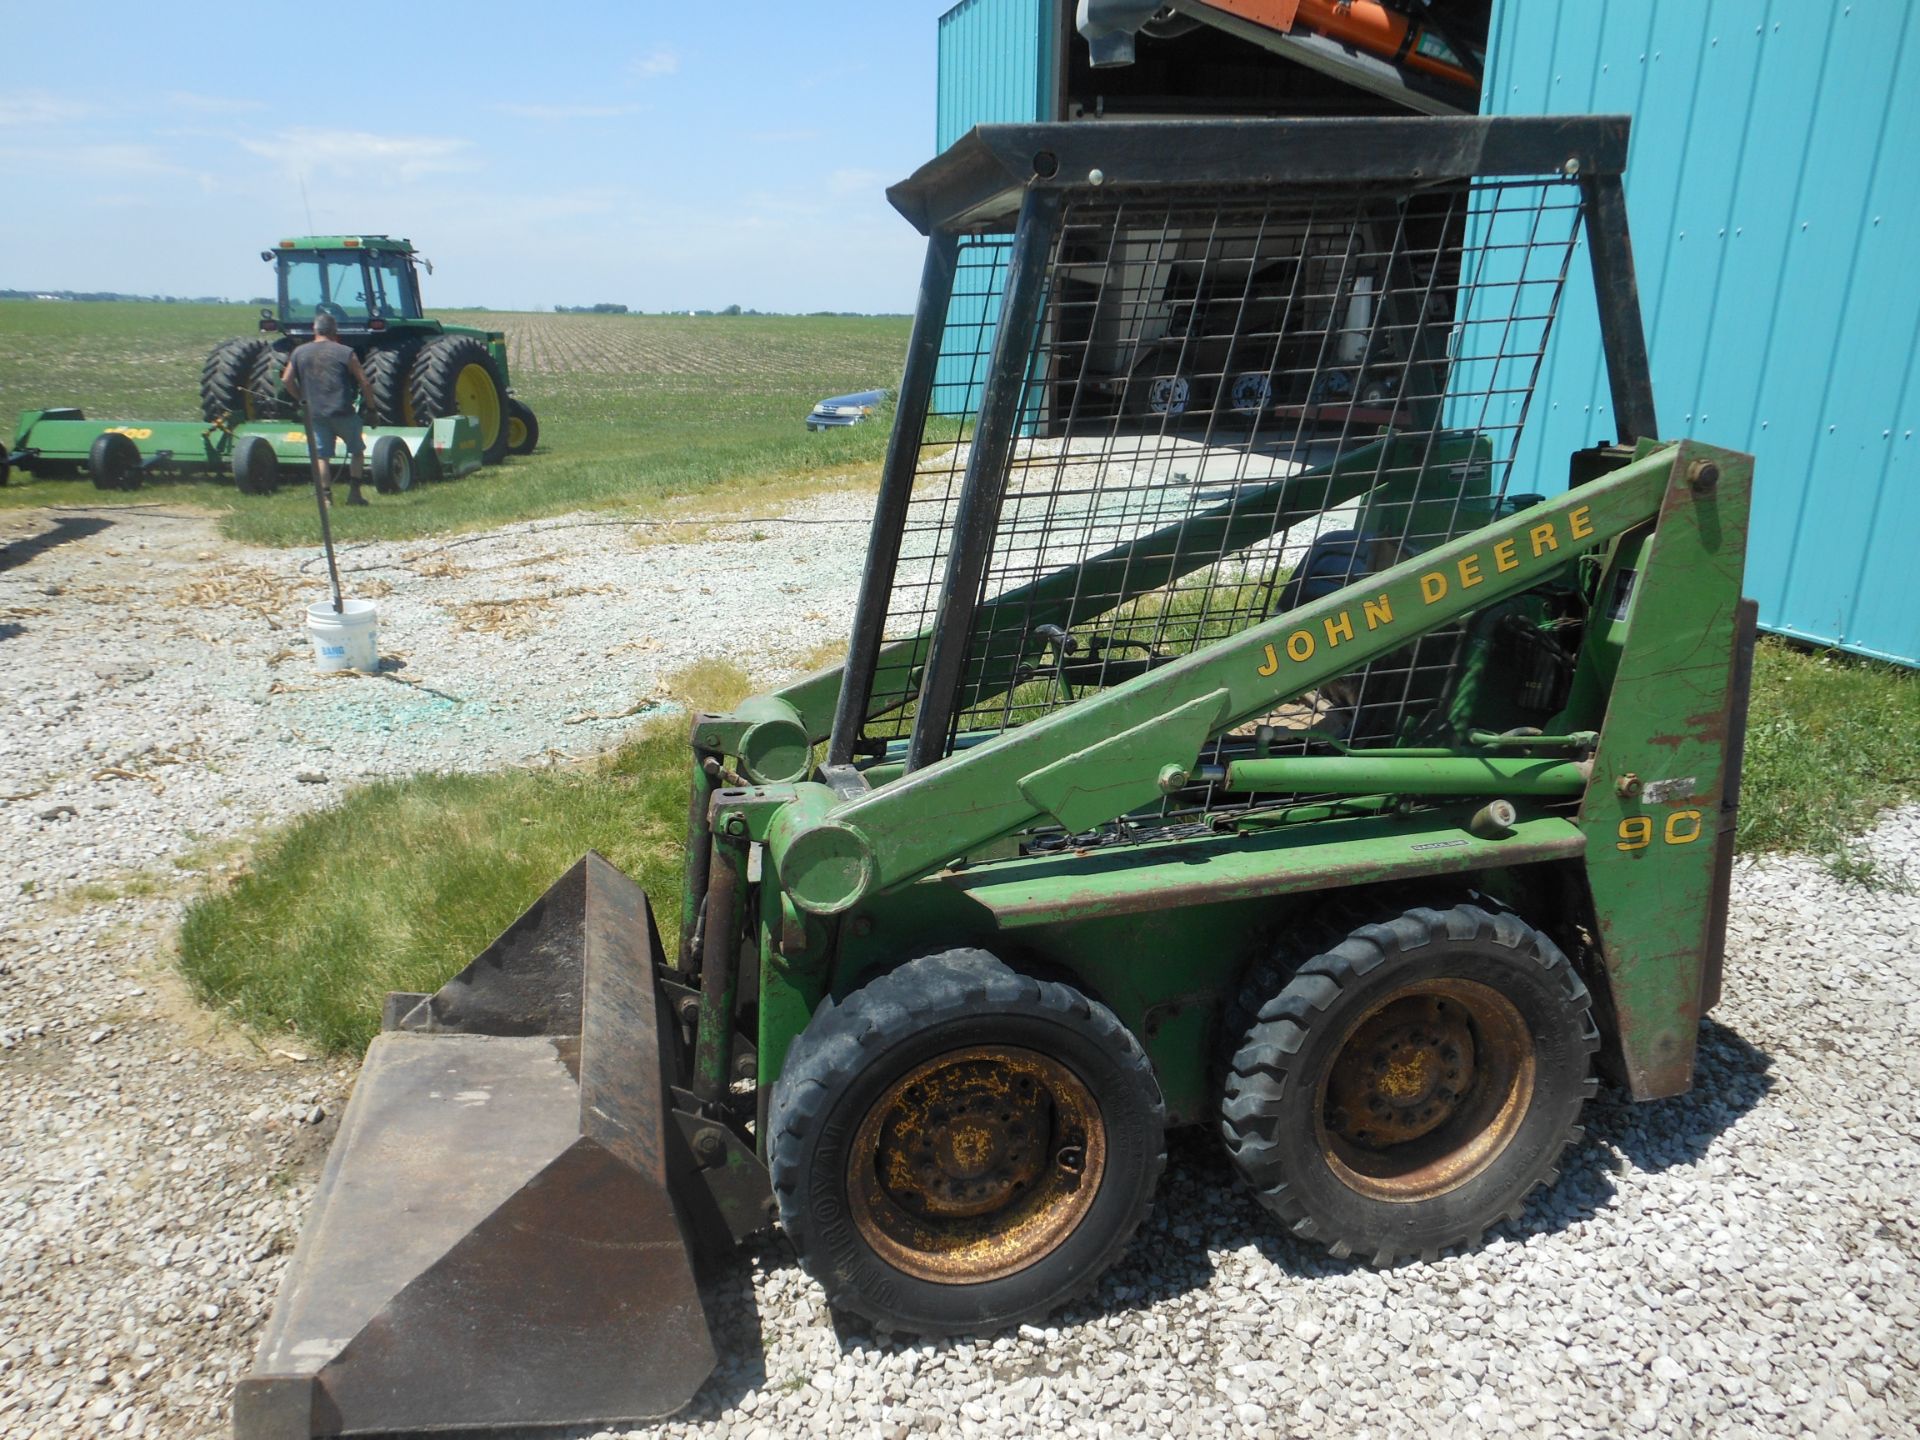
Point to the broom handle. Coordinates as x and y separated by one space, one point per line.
326 523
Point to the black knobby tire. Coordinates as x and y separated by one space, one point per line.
1379 1017
386 366
226 381
256 469
433 389
391 465
269 398
922 1023
523 429
114 462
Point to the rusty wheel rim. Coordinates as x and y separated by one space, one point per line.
1427 1090
976 1164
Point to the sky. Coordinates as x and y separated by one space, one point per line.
656 155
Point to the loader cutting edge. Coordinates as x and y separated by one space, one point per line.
499 1238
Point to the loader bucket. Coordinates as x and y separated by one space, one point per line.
496 1241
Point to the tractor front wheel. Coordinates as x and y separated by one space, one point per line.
1409 1087
958 1148
454 375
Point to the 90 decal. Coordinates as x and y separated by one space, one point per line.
1683 827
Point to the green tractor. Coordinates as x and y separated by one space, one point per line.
421 369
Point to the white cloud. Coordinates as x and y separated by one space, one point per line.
212 104
40 107
653 66
358 154
565 112
117 161
856 182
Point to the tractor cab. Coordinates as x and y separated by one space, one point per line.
368 283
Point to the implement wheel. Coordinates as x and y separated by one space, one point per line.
256 469
114 462
1407 1089
454 375
391 465
227 381
523 430
957 1148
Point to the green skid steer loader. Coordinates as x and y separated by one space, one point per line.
1302 756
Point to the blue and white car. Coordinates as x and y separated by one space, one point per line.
837 410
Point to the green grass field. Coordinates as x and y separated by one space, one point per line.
632 409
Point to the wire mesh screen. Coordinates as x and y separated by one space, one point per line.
1228 409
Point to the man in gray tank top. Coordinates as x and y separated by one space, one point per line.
321 375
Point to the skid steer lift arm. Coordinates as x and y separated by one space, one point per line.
1099 759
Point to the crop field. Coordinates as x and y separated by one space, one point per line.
633 409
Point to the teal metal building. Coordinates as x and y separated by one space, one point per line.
1776 232
1776 227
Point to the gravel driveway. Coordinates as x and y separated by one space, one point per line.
1738 1261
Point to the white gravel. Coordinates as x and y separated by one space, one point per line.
1740 1261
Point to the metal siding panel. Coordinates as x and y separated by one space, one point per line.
1750 123
1867 212
993 66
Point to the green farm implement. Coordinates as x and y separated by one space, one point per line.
120 455
1300 756
424 374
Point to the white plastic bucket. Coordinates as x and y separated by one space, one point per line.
347 640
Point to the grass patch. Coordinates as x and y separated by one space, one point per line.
405 881
1831 741
709 684
635 410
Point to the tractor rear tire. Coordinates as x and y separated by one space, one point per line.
114 462
523 429
270 401
1409 1087
256 469
391 465
226 381
957 1148
454 375
386 368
